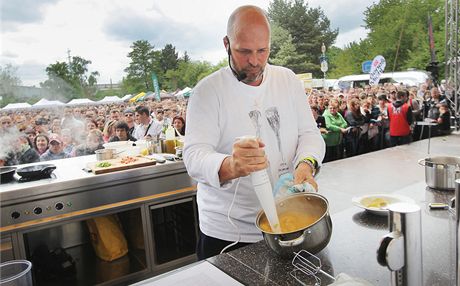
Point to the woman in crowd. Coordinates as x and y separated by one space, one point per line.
26 153
179 125
357 123
100 122
41 143
336 127
90 125
109 130
93 142
67 140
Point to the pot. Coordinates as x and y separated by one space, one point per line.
104 154
313 237
36 171
441 172
6 174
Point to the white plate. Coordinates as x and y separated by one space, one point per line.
363 201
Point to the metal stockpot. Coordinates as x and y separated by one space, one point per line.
441 172
104 154
313 237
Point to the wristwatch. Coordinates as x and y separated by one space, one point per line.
310 161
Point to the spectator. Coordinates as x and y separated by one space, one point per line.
129 119
100 122
148 127
114 114
67 140
6 122
443 120
41 143
90 125
30 132
26 153
179 126
400 116
336 127
122 133
320 122
55 150
354 138
109 130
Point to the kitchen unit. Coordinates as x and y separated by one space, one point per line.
46 221
356 233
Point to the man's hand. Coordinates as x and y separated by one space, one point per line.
304 173
248 156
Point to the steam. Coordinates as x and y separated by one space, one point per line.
9 141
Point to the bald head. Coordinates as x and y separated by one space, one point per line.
245 17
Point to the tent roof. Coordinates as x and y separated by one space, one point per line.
113 98
17 105
185 92
79 101
126 97
45 102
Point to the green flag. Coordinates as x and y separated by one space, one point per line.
156 86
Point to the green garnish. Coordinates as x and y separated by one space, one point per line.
103 164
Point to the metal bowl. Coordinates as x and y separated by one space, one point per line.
312 238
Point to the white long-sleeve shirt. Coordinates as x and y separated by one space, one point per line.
218 113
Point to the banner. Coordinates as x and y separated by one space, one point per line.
366 66
156 86
377 68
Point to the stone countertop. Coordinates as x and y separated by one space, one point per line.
356 233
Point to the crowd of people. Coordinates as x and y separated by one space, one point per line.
362 120
352 122
33 135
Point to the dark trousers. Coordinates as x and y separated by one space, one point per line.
400 140
209 246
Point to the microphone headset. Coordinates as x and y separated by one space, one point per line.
239 76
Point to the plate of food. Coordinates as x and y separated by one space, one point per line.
378 203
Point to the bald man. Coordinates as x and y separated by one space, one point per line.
249 97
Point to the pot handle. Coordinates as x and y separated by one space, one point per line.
420 162
294 242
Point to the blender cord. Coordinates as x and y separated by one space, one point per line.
231 221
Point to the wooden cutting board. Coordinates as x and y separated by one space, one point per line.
117 165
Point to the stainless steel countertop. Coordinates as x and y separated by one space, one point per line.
70 177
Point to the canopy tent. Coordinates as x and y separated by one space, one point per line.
186 92
166 95
16 105
47 103
108 99
77 101
126 97
134 98
149 94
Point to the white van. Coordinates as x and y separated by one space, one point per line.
411 78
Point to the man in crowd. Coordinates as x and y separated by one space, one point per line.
148 127
129 119
400 116
55 150
219 112
121 133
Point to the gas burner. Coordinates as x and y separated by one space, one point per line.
36 178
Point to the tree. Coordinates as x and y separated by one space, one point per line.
168 58
8 81
71 80
144 61
309 29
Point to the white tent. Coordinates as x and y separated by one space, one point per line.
108 99
185 92
126 97
77 101
48 103
17 105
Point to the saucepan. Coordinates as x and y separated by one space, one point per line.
105 154
441 172
6 174
312 230
36 171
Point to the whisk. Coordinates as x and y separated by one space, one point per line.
308 264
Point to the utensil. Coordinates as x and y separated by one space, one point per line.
313 237
308 264
273 119
104 154
35 171
441 172
7 174
364 201
401 249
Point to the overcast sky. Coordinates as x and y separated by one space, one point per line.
36 33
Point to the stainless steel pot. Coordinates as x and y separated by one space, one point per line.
313 237
441 172
104 154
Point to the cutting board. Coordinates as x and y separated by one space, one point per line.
117 165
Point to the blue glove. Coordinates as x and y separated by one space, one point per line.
285 186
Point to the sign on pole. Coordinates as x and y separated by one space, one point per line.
366 66
156 86
377 68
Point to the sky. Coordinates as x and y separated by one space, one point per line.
35 34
